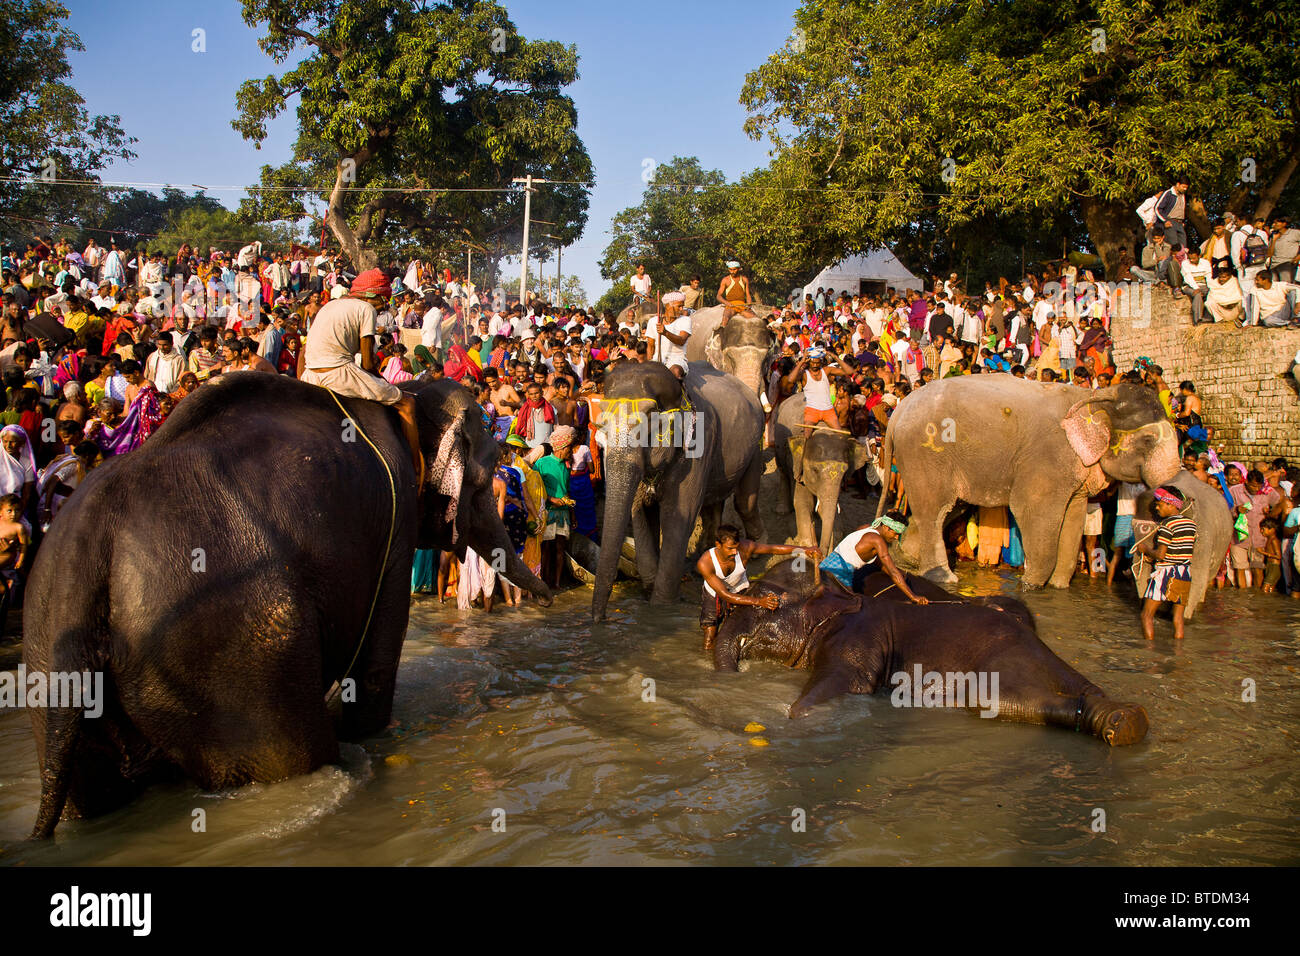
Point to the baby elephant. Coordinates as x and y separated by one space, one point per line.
981 654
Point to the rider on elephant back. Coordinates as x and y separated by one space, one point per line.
343 328
865 551
733 294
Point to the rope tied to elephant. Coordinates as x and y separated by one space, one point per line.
392 526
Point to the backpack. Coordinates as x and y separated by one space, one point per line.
1147 211
1254 250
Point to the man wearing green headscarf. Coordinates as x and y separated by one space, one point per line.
866 550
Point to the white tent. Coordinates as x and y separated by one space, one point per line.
874 272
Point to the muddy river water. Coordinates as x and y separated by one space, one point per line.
525 737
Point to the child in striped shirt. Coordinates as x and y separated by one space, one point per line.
1171 553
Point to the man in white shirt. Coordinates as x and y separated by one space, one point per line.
1269 304
672 329
342 329
249 255
640 285
164 366
431 331
1247 258
1196 282
92 257
105 299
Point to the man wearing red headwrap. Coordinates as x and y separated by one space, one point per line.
344 328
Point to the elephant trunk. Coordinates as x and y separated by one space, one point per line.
489 539
1164 463
747 364
622 478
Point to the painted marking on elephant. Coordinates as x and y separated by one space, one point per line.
931 431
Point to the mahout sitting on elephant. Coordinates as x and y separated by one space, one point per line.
862 643
223 603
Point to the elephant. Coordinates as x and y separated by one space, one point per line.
1041 448
661 483
224 577
813 463
745 348
1213 534
861 643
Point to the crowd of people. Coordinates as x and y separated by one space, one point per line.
99 346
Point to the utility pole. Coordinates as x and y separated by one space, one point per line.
528 182
469 260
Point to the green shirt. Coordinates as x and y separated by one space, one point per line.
555 475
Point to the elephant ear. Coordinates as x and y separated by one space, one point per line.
1088 429
860 454
713 348
445 465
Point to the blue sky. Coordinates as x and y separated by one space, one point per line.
657 80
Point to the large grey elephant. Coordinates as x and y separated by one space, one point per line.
745 348
1040 448
1209 509
222 603
812 463
703 445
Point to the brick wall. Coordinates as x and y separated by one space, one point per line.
1252 409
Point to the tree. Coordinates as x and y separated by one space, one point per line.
902 112
674 230
135 217
400 104
45 130
220 228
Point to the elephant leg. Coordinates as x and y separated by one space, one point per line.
746 499
785 499
1040 512
825 683
676 522
710 518
375 671
1068 548
923 541
803 509
645 532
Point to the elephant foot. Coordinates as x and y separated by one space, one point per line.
940 575
1120 724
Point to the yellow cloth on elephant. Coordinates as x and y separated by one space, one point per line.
994 534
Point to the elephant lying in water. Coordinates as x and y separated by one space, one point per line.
222 603
861 643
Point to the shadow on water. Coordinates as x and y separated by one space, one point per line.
533 737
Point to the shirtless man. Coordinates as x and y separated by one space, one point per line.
344 327
504 396
733 294
566 408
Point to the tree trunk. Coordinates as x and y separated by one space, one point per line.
362 257
1273 192
1112 226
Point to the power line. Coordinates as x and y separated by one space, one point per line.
859 191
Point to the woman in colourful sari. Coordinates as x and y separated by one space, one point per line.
1094 347
534 501
508 487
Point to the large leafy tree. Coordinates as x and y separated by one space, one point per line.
675 230
45 130
396 98
907 115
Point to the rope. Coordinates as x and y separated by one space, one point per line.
392 526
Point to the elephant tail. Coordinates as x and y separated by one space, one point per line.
886 463
63 727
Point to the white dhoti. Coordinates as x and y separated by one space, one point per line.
354 381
